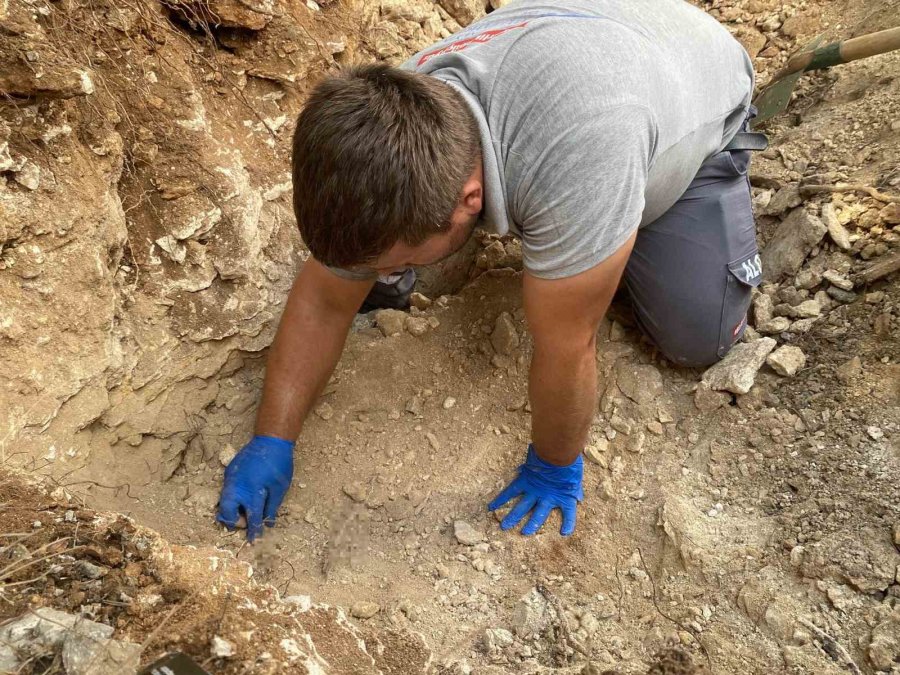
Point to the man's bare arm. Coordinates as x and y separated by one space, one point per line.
563 316
307 346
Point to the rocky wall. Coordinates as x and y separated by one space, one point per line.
146 238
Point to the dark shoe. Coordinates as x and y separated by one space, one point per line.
392 293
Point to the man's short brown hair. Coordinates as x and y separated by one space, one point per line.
380 155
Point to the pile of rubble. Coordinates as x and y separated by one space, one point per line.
819 258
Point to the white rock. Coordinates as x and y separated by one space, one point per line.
221 648
302 602
875 433
226 454
420 301
787 360
390 321
466 534
29 176
763 309
835 278
737 371
496 638
838 233
364 610
777 325
417 325
88 654
807 309
807 279
531 615
596 451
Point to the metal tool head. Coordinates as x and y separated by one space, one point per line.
776 97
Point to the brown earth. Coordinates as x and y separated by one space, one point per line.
146 246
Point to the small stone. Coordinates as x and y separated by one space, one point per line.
751 39
531 615
420 301
838 233
807 279
303 603
356 491
839 596
792 241
774 327
707 399
737 371
641 383
786 198
504 338
807 309
221 648
786 360
607 491
433 441
364 610
37 524
874 297
763 309
875 433
90 570
496 638
635 442
417 325
842 296
884 647
466 534
415 406
835 278
890 214
655 428
448 403
849 370
226 454
390 321
29 176
324 410
89 655
803 325
596 451
620 424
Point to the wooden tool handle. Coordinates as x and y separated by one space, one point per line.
841 52
870 45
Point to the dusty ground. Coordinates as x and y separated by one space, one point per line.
757 532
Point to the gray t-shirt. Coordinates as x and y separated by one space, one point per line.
595 115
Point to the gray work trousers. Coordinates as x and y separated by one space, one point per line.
692 270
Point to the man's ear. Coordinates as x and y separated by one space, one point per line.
472 198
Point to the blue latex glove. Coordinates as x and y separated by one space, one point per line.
256 481
543 487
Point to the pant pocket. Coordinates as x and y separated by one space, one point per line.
743 275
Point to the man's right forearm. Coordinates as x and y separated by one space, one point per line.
307 346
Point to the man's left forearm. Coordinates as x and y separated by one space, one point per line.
563 391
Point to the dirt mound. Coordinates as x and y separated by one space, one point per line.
159 598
